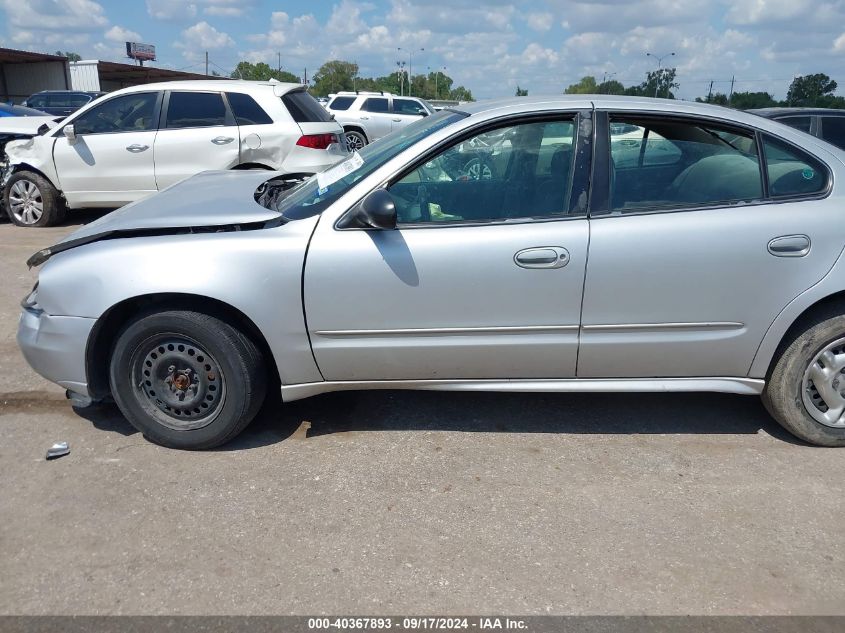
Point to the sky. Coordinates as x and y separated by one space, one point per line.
489 46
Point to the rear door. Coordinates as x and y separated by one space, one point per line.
691 260
110 162
198 133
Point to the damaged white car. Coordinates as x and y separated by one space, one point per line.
139 140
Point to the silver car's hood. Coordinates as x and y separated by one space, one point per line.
211 198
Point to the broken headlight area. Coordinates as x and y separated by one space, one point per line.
30 302
270 193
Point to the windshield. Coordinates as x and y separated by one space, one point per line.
318 192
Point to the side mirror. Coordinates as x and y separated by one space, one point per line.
376 211
423 113
70 132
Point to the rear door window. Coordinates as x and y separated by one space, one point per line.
246 109
304 108
802 123
376 104
341 103
195 109
792 172
833 130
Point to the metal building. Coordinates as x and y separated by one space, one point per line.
23 73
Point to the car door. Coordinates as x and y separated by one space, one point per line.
110 162
481 279
686 274
376 117
405 112
198 133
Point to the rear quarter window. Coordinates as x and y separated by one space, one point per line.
792 172
341 103
304 108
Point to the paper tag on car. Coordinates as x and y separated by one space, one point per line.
330 176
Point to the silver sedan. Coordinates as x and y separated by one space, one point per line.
560 244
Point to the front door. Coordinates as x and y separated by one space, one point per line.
405 112
482 278
198 133
695 254
110 163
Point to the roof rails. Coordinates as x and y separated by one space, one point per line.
364 92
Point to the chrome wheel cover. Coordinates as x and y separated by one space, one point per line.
823 385
179 383
26 203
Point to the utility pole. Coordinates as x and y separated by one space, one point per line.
731 96
305 76
206 63
710 92
279 53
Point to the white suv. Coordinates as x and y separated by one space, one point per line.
139 140
367 116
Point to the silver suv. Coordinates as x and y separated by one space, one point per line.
367 116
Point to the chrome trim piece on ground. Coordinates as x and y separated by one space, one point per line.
743 386
446 331
706 325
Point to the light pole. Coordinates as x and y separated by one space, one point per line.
410 52
659 59
400 70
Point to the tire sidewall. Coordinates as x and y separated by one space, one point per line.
51 213
233 409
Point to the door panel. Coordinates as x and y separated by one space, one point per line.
183 153
429 303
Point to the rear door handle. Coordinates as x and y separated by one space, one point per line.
222 140
364 118
542 257
137 149
789 246
397 120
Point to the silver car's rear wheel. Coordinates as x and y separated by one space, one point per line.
805 388
26 203
823 385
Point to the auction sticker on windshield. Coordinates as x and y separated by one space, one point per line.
330 176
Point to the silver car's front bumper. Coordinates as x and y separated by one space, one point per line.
54 346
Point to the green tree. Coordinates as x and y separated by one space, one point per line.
460 94
611 87
71 57
587 86
262 72
659 83
334 76
810 90
521 92
718 98
748 100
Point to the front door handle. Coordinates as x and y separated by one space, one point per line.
222 140
364 118
789 246
397 120
542 257
137 149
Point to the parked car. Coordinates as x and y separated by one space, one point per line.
368 116
139 140
61 102
825 123
721 269
10 110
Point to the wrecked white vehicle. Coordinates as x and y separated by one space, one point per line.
139 140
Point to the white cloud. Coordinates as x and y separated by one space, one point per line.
202 37
47 15
540 21
120 34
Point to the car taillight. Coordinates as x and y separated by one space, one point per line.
318 141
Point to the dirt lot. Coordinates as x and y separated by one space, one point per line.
390 503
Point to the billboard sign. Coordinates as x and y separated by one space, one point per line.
143 52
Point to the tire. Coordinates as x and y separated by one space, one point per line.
355 140
219 372
791 395
32 200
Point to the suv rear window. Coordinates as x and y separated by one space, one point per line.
341 103
246 110
304 108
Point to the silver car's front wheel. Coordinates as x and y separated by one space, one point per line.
805 390
31 200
